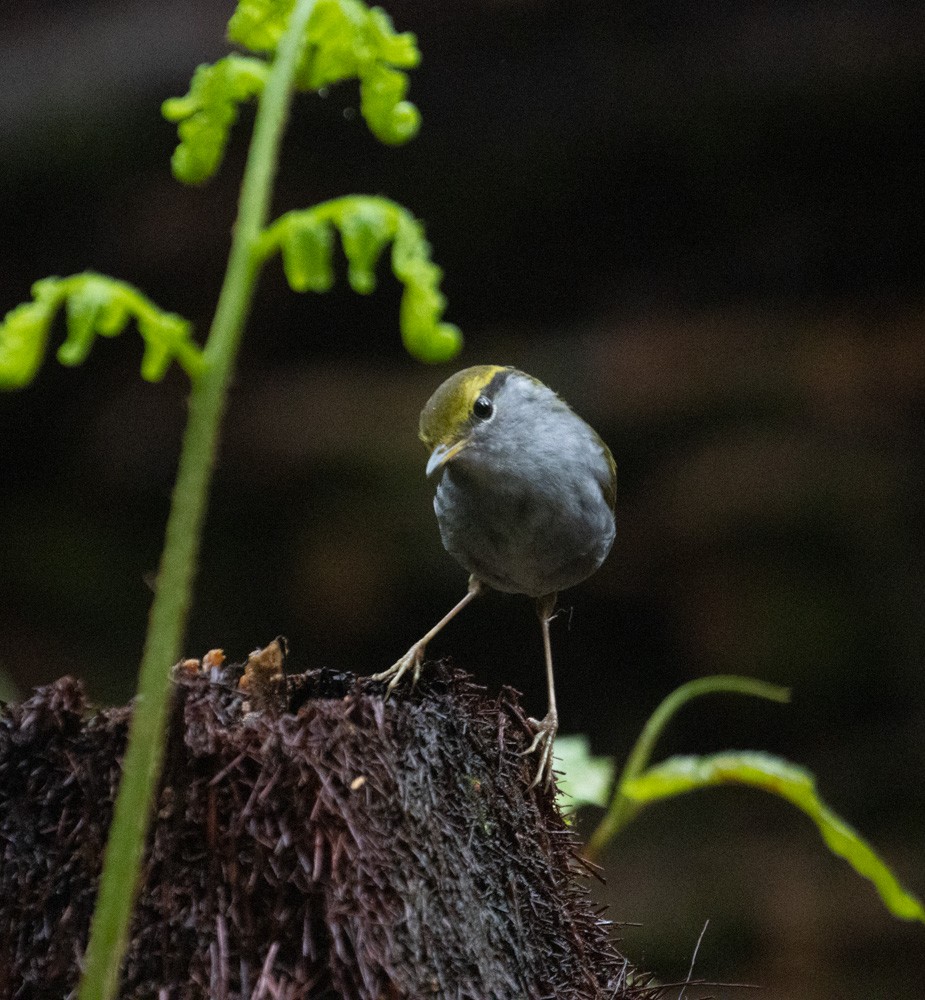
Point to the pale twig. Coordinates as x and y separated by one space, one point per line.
690 971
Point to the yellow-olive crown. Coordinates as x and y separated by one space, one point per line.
449 411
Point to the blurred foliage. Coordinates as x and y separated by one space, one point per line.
679 775
207 113
95 306
366 225
346 40
581 777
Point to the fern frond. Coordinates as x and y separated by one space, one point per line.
366 226
95 305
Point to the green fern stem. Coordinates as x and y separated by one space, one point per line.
622 808
144 750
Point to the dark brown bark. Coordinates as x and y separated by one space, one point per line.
312 841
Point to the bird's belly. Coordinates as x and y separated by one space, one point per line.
522 542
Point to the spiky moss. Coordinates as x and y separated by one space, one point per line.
329 845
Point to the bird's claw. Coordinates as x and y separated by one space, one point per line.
546 730
412 660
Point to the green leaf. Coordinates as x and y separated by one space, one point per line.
621 809
366 224
350 40
422 303
584 778
346 40
112 317
94 304
84 308
306 246
678 775
364 232
23 336
258 25
166 336
400 50
207 113
391 118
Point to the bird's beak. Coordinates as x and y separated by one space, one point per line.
444 453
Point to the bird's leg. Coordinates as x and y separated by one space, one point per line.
414 658
547 727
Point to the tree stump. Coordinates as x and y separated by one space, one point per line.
312 840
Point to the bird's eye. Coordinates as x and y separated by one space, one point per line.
482 408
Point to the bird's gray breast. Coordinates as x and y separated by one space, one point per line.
531 517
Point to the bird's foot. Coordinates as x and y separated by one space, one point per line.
546 730
412 660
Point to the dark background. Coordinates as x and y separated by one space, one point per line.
702 224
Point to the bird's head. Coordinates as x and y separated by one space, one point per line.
496 419
458 411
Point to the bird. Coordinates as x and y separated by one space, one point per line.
525 497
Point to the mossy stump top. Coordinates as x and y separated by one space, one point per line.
311 841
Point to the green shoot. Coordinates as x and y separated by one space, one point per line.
144 752
206 114
300 45
95 305
345 40
678 775
639 785
622 809
366 225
